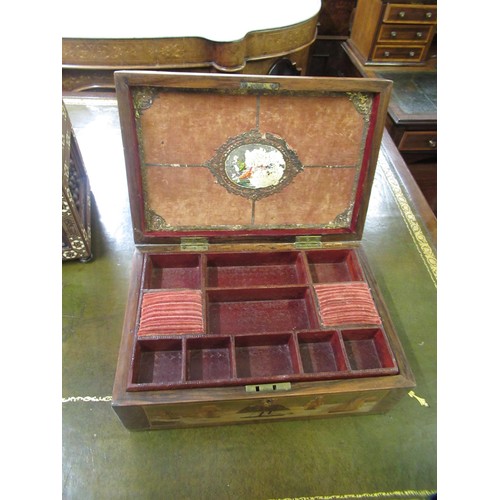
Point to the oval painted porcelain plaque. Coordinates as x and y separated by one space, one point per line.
255 164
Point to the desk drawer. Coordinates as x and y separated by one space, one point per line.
411 14
425 140
387 53
405 34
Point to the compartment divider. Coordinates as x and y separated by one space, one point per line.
146 273
203 271
343 352
184 364
314 306
234 373
303 268
136 364
307 271
296 345
202 263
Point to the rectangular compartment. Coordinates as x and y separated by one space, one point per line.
367 349
265 310
255 269
260 356
173 271
334 266
321 352
208 359
158 361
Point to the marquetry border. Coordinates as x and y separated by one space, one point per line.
422 244
393 495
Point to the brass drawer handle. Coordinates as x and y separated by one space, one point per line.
432 143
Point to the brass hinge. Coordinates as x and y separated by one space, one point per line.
281 386
306 242
259 85
193 244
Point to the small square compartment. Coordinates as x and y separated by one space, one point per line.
208 358
172 271
158 361
265 356
367 349
321 352
255 269
265 310
334 266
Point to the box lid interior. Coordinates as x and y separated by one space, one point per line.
239 157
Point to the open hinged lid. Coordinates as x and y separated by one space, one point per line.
249 158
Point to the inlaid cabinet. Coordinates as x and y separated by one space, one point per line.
76 197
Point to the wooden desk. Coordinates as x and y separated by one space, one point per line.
192 37
412 124
315 458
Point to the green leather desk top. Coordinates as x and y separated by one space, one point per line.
414 94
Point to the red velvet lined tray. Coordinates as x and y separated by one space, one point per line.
263 320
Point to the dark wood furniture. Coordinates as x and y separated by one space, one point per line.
277 313
335 18
412 121
76 197
399 33
89 63
326 57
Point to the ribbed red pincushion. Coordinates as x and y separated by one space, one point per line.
346 303
171 312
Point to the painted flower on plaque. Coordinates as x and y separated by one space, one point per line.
255 166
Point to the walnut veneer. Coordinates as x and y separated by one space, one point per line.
89 63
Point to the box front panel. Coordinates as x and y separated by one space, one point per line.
263 409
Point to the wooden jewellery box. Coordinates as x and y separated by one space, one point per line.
250 298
